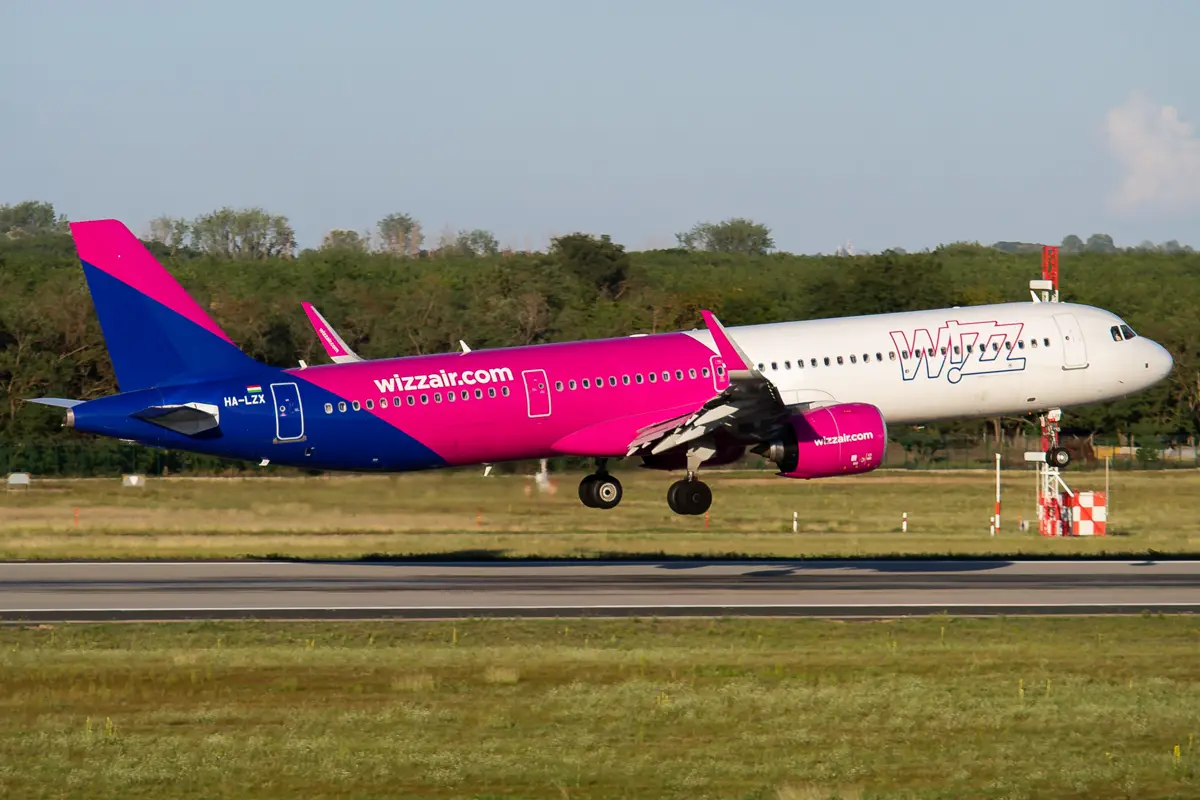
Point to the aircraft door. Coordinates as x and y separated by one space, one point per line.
1074 348
537 392
720 375
289 413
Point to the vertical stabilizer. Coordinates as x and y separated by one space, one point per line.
156 333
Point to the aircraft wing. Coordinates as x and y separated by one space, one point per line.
750 407
337 349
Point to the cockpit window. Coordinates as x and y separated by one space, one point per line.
1128 331
1115 330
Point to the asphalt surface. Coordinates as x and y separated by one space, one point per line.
79 591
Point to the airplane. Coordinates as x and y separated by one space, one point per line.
815 397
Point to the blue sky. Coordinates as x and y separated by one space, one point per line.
885 123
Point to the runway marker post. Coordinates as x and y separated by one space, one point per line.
996 529
904 523
795 521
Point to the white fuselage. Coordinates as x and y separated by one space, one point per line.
975 361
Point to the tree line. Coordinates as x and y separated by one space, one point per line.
391 293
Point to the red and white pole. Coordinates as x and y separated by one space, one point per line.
997 492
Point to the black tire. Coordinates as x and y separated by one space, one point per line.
587 494
673 502
606 492
689 497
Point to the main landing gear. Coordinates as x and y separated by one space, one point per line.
692 495
600 490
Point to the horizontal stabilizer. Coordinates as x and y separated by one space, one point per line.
57 402
335 346
190 419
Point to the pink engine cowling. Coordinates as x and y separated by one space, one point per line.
843 439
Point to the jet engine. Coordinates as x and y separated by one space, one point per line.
843 439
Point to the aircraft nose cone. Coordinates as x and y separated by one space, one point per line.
1159 362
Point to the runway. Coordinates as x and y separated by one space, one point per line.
148 591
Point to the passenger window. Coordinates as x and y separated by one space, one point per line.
799 363
1046 341
625 380
1020 344
599 383
370 405
1008 345
491 391
396 401
653 376
612 380
704 372
721 371
355 405
329 408
342 406
787 365
678 374
479 394
841 360
891 355
640 380
957 351
853 359
586 384
504 391
1033 342
866 357
970 348
424 399
412 401
943 351
879 356
571 385
827 361
558 386
466 395
775 365
995 347
451 397
692 373
437 397
666 376
761 367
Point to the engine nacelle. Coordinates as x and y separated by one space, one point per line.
843 439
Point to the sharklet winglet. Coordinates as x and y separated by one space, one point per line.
334 345
735 360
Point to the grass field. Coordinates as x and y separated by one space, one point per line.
465 514
795 710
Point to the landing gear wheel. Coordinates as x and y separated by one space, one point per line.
606 492
1058 457
586 494
689 497
600 490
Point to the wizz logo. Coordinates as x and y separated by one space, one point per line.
968 348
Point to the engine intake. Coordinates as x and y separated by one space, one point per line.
843 439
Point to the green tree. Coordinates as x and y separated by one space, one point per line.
1071 244
736 235
31 218
342 239
597 262
1100 243
400 235
245 234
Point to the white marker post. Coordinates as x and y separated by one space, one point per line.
997 526
904 523
795 522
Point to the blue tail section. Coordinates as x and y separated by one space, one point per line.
156 334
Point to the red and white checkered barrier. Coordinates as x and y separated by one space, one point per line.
1089 513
